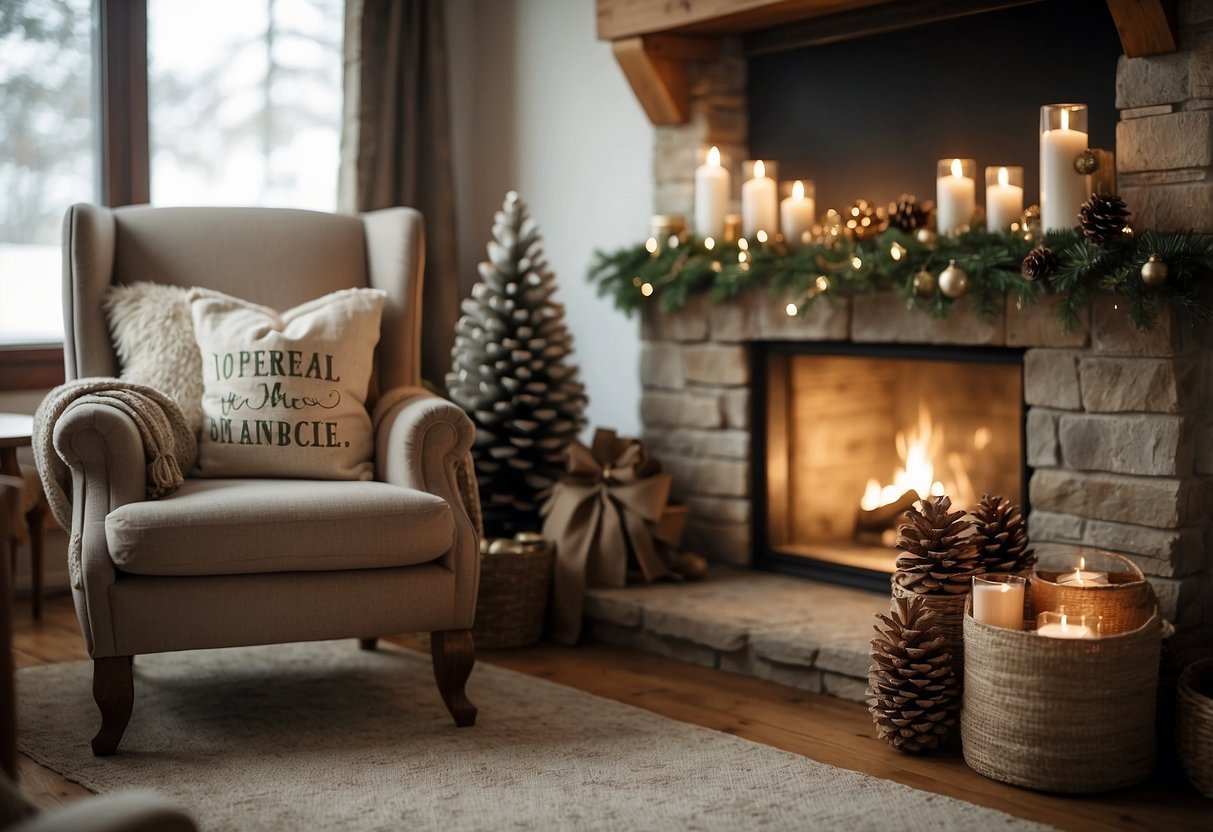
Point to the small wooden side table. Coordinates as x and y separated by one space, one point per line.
17 431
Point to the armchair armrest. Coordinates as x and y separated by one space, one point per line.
103 450
423 442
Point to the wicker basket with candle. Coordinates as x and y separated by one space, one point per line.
1084 581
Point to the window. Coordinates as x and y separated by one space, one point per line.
243 107
244 102
48 156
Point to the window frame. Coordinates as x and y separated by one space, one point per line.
123 158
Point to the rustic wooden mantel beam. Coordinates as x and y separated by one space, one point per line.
1146 27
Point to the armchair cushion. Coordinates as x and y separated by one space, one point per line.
242 526
285 393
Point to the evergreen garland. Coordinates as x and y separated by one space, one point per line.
670 274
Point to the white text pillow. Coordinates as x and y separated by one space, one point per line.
285 392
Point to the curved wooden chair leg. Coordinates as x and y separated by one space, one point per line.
35 519
454 654
114 692
368 643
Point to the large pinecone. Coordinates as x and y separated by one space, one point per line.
1001 538
938 551
1103 218
1040 263
908 214
913 694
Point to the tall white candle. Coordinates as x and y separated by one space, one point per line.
759 203
711 196
796 216
1062 189
998 600
1004 203
955 199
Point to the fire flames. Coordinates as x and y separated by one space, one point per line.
920 449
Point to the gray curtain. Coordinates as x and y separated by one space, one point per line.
396 54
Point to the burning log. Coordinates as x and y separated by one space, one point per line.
871 524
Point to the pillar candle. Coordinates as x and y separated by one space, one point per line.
1060 625
998 600
1062 189
796 216
1004 201
711 196
759 203
955 196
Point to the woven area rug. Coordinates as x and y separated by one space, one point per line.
325 736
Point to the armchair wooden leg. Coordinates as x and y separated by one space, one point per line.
114 692
454 653
368 643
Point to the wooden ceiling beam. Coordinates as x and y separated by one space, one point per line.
656 67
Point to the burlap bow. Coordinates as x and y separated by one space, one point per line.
604 507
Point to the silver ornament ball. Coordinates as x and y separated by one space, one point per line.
953 281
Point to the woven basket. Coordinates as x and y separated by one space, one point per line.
1125 604
949 617
513 597
1060 715
1194 724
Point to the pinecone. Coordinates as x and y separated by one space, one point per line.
939 552
510 372
1103 218
908 214
1000 535
1039 263
913 694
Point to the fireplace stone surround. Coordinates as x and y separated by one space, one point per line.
1119 432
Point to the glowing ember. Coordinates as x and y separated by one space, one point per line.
920 452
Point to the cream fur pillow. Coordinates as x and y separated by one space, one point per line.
153 335
284 394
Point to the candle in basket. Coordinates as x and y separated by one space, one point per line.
1063 136
1061 625
711 196
1082 577
955 195
759 201
998 600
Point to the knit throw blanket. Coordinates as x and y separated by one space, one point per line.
169 445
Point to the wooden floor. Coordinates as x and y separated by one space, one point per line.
820 727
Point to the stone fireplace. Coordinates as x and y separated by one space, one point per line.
1117 442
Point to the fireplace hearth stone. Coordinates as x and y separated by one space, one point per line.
803 634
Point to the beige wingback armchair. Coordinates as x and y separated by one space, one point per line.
399 554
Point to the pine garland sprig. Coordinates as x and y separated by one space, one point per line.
669 276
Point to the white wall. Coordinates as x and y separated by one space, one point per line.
540 106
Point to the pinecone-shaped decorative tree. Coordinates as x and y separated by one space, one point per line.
510 372
913 691
1103 218
1001 537
938 551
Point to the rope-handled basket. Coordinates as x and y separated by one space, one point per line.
1194 724
1060 715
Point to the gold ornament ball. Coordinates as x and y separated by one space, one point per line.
1087 162
502 546
925 236
953 281
924 284
1029 222
1154 272
691 566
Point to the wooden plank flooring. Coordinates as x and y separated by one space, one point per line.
820 727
